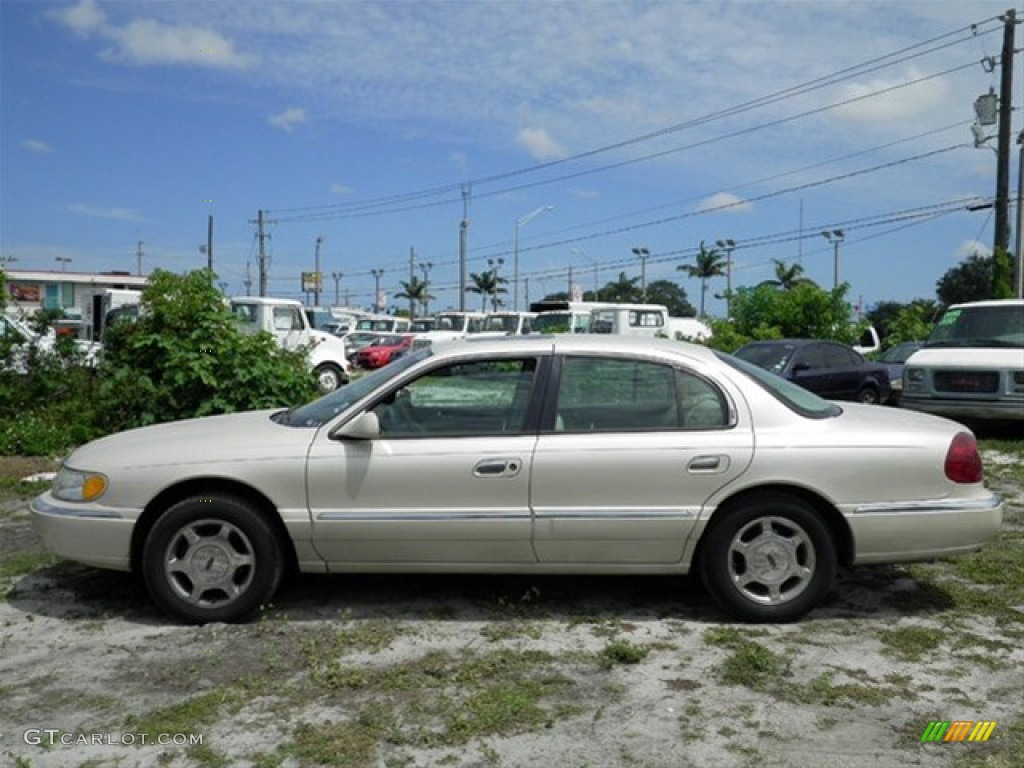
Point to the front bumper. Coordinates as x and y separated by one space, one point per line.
905 532
86 533
994 410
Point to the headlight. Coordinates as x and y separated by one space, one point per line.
915 374
72 485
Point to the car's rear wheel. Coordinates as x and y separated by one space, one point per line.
328 378
769 558
212 558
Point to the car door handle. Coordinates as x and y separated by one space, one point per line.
497 468
708 464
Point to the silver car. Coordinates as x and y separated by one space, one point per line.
538 454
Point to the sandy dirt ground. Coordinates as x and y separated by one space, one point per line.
498 671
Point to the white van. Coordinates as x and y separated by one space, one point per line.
972 365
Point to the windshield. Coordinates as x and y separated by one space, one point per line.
793 396
319 412
506 323
984 326
553 322
421 326
451 323
771 357
899 353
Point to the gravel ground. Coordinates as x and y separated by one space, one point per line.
501 671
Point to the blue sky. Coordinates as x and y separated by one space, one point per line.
642 124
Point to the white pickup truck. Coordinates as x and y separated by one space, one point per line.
285 320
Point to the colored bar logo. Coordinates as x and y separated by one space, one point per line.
958 730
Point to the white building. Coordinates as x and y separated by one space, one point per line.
78 294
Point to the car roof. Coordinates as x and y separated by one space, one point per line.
570 343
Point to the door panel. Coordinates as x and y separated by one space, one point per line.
448 479
421 500
636 449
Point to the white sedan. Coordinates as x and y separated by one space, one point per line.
539 454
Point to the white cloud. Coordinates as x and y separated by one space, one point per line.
148 41
893 102
539 144
288 119
97 212
83 18
585 194
725 202
341 190
971 247
37 146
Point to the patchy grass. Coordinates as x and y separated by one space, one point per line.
622 652
17 564
911 643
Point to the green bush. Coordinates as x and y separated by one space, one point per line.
185 357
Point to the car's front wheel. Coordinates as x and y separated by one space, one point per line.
770 558
212 558
328 378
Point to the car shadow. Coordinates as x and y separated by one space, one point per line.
76 592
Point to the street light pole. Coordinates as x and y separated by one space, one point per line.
522 222
834 236
376 289
727 245
1020 179
337 282
316 273
643 253
64 261
425 267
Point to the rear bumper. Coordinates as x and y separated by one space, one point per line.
909 531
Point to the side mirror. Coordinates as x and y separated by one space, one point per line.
365 426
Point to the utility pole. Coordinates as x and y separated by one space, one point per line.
1002 219
412 277
261 236
138 258
248 278
316 273
209 243
463 246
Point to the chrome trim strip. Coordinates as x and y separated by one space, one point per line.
932 507
391 517
43 507
690 513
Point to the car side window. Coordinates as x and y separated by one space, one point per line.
704 406
464 399
813 356
615 395
839 357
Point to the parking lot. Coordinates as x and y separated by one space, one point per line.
514 671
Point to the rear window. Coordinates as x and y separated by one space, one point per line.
793 396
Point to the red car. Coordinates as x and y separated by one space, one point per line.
382 351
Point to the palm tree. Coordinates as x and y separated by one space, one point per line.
415 290
488 284
788 277
708 263
624 290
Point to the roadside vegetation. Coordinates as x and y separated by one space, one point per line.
185 357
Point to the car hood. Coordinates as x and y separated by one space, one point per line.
249 436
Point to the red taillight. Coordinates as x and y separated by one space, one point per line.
963 462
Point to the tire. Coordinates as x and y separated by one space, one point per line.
328 377
868 396
769 559
212 558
